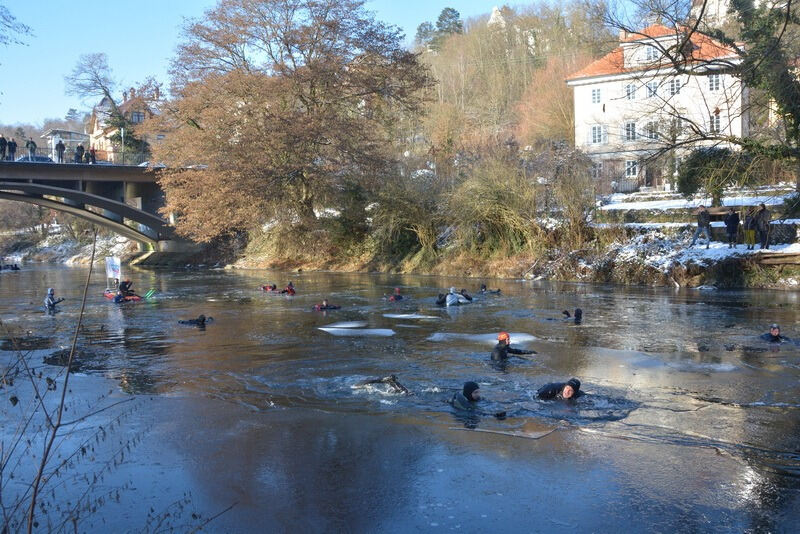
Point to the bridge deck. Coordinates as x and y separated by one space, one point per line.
12 170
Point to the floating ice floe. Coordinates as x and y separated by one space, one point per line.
516 337
380 332
408 316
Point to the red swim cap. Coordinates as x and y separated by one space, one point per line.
503 335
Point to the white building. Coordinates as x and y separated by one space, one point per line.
631 104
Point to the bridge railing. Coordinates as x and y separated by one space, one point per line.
102 157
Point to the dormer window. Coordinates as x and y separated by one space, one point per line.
137 117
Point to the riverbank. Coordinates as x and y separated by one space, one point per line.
58 247
650 256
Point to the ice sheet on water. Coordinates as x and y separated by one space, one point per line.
347 324
490 339
408 316
339 331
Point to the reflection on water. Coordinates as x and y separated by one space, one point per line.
683 370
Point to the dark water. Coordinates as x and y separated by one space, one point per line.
689 423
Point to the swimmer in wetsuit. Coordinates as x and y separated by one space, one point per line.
325 306
200 321
774 335
503 348
571 389
467 397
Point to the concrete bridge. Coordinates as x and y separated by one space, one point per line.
123 198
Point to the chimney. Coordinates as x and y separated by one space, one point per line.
156 92
124 96
133 93
623 35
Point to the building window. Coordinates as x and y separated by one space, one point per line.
630 92
137 117
652 89
651 130
597 135
629 131
651 53
595 96
713 82
714 124
631 168
674 87
596 172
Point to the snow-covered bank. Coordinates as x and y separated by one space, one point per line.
654 256
663 201
59 248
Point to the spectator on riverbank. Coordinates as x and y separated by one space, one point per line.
750 229
31 146
3 144
12 149
703 226
60 148
732 227
763 217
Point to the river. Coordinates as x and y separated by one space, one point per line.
689 422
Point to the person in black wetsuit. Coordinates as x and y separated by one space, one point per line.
571 389
578 315
466 295
200 321
125 288
390 380
50 301
467 397
441 300
774 335
503 348
289 290
396 296
489 291
325 306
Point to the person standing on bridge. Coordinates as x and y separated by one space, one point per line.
12 149
3 144
79 153
31 146
87 157
60 148
92 155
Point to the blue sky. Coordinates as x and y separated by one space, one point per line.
139 38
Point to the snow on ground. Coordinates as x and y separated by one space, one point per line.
661 252
682 203
662 225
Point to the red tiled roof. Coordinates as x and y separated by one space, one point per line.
704 48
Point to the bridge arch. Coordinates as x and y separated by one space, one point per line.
152 227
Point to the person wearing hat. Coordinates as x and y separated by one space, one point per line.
289 290
396 296
50 301
467 397
571 389
503 348
774 335
325 306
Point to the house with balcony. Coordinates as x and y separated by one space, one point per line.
636 116
105 133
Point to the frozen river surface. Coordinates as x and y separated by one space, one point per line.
690 422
